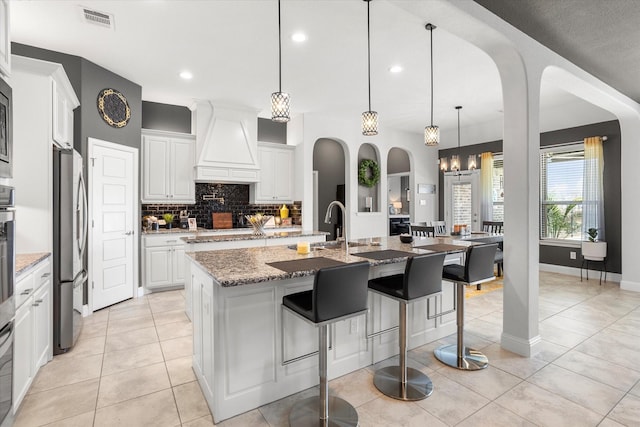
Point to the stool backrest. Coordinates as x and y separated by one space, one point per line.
340 290
493 226
423 275
422 231
440 226
479 262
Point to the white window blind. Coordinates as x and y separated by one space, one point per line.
498 188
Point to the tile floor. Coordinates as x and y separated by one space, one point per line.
132 367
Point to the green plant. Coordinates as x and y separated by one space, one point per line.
559 221
368 173
168 217
593 234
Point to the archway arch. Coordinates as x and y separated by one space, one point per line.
329 169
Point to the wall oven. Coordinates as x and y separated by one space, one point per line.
6 130
7 308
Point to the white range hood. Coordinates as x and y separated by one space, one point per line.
226 143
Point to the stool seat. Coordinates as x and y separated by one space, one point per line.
422 278
338 293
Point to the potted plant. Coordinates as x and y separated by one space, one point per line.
593 234
594 250
168 217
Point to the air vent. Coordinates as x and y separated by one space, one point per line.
97 18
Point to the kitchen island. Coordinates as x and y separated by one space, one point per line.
248 351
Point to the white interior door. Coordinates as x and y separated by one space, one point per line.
113 204
462 199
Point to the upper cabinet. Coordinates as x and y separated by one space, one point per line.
5 40
167 167
276 174
62 116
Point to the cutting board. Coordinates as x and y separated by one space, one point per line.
222 220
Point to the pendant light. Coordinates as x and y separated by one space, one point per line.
455 159
431 132
369 118
280 100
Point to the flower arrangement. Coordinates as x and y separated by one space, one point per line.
168 217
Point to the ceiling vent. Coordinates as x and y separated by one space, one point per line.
97 18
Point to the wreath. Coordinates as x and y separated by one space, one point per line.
368 173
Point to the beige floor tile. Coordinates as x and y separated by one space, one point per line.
177 347
140 310
608 422
591 394
494 415
252 418
170 317
617 347
169 331
384 411
577 326
546 409
550 351
82 420
485 330
208 422
599 369
65 371
93 330
99 316
181 370
277 413
136 357
629 325
85 347
490 382
132 302
635 390
561 336
54 405
133 323
357 388
133 383
520 366
627 412
190 401
444 403
152 410
129 339
168 304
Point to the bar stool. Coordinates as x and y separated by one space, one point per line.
422 278
338 293
477 269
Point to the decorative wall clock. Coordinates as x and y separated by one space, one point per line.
113 108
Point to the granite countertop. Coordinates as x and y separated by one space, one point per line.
269 235
26 261
234 267
213 231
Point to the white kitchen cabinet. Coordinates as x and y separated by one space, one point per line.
5 39
168 162
163 261
33 327
276 174
62 116
202 296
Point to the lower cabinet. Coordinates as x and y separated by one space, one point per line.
163 261
33 338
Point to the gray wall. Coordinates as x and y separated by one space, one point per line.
398 161
269 131
172 118
366 151
612 187
329 161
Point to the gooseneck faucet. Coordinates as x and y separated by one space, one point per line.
327 220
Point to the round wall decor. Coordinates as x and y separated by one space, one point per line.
113 108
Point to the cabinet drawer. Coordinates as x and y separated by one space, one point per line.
41 274
25 287
173 240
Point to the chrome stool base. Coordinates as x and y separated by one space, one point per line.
306 413
417 387
471 360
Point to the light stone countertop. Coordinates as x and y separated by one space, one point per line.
270 234
217 231
26 261
235 267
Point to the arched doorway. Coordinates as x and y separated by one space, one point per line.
329 183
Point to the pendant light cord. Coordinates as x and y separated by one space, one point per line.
279 51
431 51
369 52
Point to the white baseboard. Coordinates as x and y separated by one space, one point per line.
627 285
573 271
141 292
526 348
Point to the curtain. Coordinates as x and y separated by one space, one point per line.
592 190
486 185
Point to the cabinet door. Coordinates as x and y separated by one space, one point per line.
157 266
265 189
155 182
60 126
5 41
178 264
196 304
23 353
207 336
181 183
283 175
42 318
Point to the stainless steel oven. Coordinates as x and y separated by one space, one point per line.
6 130
7 308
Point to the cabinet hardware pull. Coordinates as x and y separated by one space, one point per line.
45 275
39 301
26 291
35 305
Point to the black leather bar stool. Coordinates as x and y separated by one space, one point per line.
477 269
422 278
338 293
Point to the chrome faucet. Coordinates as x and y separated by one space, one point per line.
327 220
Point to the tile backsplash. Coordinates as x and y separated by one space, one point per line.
232 198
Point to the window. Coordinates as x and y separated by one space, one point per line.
561 187
498 188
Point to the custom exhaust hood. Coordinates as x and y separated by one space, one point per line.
226 143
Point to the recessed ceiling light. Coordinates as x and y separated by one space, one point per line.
186 75
299 37
395 69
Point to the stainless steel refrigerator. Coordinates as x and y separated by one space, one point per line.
69 244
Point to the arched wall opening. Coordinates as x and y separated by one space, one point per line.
329 160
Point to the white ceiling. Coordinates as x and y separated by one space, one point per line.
231 47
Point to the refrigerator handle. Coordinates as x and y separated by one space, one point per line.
85 215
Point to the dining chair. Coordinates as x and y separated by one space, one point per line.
440 226
422 231
495 227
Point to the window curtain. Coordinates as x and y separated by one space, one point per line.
592 191
486 184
